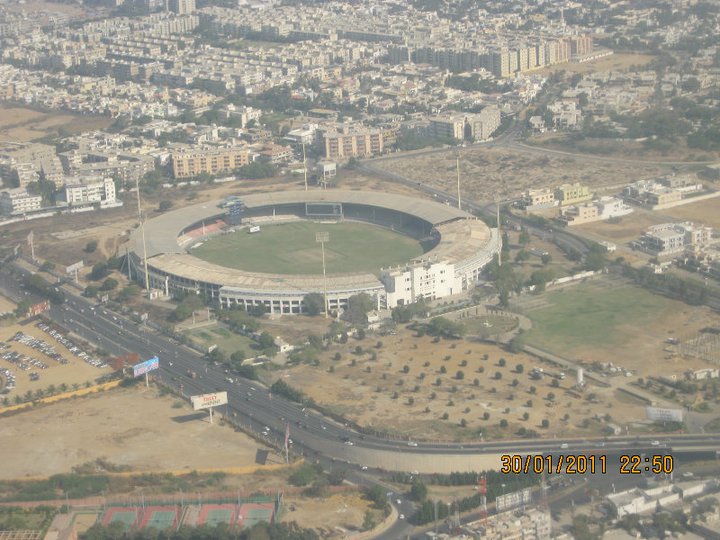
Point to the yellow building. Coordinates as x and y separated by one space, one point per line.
350 142
190 162
572 194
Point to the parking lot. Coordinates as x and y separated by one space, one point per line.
36 357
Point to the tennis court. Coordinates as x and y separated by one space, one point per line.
215 516
160 517
250 514
126 516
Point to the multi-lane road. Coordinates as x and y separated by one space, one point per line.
257 408
253 406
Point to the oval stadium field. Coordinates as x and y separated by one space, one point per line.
290 248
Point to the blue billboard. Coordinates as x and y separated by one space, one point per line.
148 365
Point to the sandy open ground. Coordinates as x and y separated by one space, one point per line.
21 124
507 173
134 427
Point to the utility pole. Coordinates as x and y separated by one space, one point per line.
304 167
322 237
142 231
499 228
457 167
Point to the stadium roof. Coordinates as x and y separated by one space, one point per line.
161 233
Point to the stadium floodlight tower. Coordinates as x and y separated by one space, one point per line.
322 237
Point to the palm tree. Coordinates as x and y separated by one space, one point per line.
51 390
63 387
75 386
39 393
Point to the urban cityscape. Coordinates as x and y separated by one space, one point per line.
303 269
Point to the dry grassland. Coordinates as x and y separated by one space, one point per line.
19 124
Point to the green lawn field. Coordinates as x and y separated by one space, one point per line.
290 248
586 315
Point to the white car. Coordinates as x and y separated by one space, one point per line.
655 443
412 443
564 446
363 468
402 516
349 443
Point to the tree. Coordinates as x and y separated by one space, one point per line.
358 307
99 271
266 341
551 396
546 258
519 368
165 205
502 362
314 304
545 423
376 495
440 326
91 246
503 423
524 237
460 375
368 521
498 376
525 416
109 284
418 490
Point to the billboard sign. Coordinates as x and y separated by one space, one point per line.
513 500
74 267
148 365
40 307
659 414
205 401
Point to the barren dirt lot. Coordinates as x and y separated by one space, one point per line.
414 381
507 173
21 124
134 427
614 62
76 371
346 510
629 227
702 212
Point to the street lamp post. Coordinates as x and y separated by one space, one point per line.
322 237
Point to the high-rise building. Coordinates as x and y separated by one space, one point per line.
181 7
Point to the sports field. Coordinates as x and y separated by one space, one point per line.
590 315
291 248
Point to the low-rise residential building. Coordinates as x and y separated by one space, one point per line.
192 161
527 524
673 238
275 154
538 198
18 201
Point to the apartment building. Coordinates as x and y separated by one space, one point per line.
350 141
407 285
91 191
18 201
477 127
21 163
181 7
189 162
